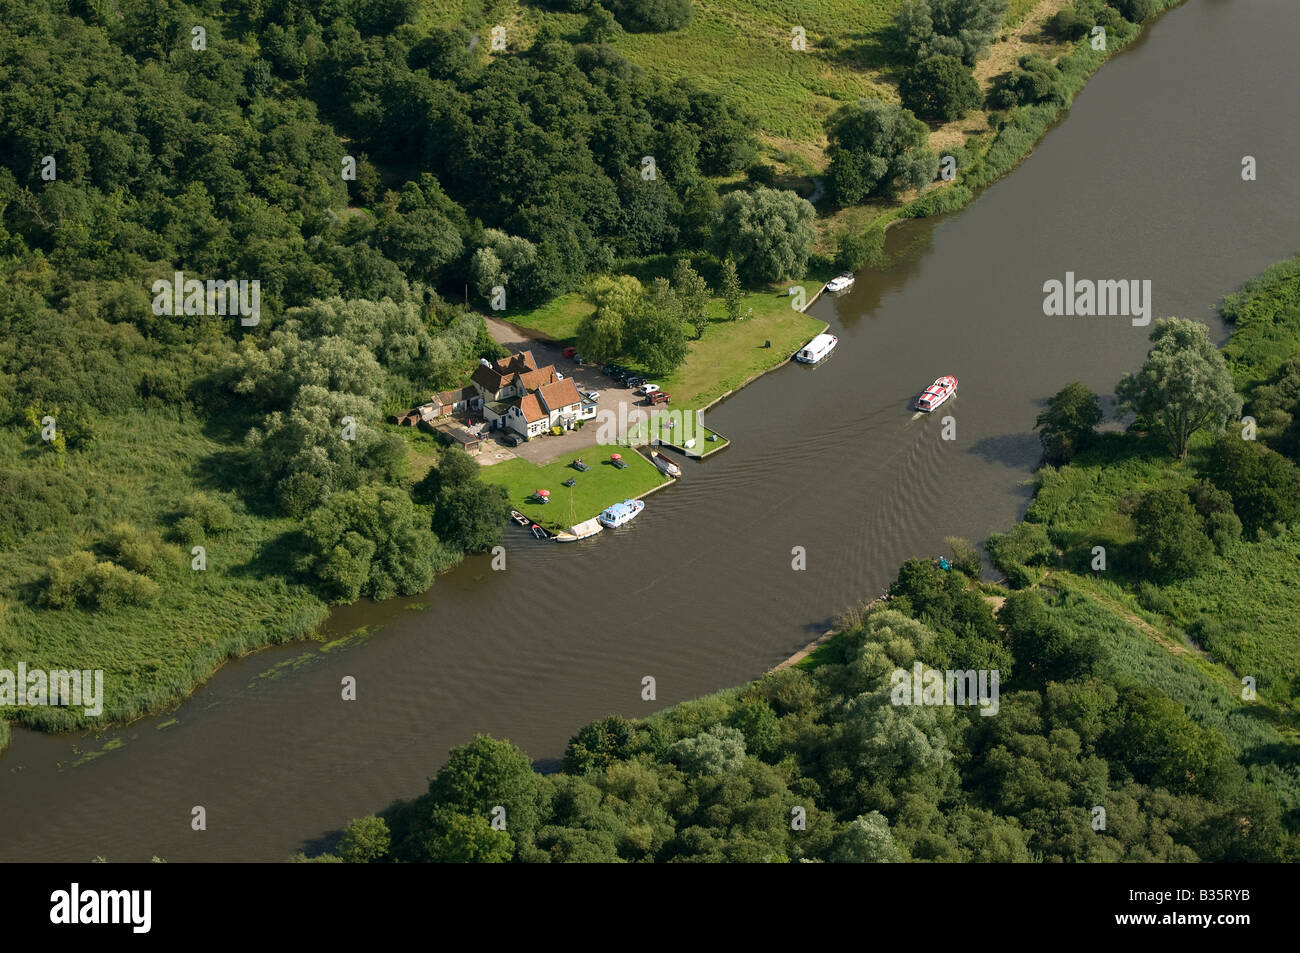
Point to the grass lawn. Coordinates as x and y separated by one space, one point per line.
729 353
600 487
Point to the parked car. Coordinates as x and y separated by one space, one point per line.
658 397
514 439
593 395
610 370
635 382
649 389
570 351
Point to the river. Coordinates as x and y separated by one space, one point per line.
1142 180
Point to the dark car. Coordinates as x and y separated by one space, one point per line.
513 439
635 381
610 370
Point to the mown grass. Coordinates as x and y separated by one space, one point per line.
600 487
727 355
140 468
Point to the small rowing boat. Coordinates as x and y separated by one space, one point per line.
519 518
666 466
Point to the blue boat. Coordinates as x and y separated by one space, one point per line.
621 513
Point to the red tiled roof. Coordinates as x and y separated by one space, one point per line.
560 394
531 410
491 379
540 377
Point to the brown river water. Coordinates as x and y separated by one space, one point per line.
1141 181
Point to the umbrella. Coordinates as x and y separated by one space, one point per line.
616 456
543 492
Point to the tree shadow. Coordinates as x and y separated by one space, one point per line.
1017 450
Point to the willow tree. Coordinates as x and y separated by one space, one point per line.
1183 387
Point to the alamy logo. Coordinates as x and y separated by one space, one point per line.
680 428
184 295
62 689
103 906
930 686
1129 298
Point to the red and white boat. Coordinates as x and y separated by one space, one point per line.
936 393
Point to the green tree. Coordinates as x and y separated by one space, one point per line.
485 774
603 333
718 750
601 26
877 150
657 338
962 28
940 88
652 16
469 517
1264 486
1183 387
692 295
1068 423
1171 540
768 231
867 841
731 293
365 840
372 541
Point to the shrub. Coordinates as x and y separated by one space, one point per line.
652 16
214 515
133 549
1026 545
77 579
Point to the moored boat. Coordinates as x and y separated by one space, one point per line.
666 466
841 282
584 530
519 518
936 393
540 533
816 349
621 513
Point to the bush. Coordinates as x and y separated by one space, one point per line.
1136 11
652 16
1070 25
188 532
78 580
1026 545
939 201
210 513
133 549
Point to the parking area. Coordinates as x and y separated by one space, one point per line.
588 377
